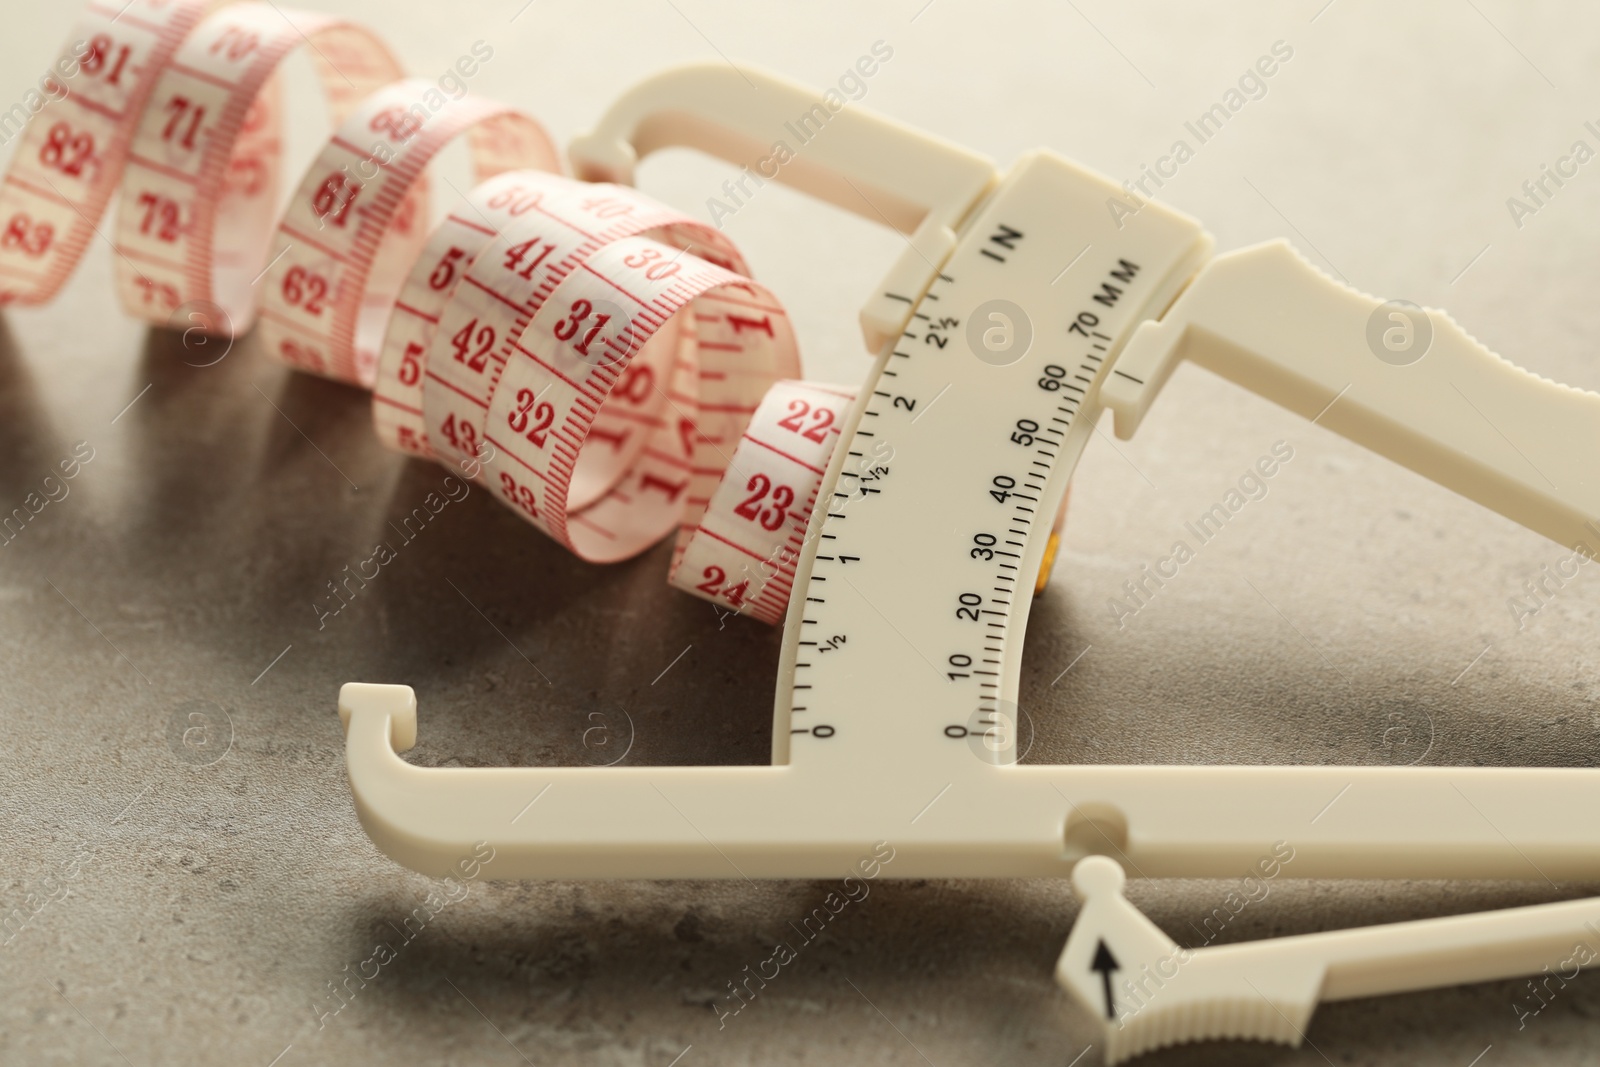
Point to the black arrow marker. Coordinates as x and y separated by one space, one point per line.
1105 963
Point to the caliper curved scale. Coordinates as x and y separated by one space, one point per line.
903 640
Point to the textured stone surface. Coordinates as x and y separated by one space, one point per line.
197 913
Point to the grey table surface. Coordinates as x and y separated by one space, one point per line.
182 912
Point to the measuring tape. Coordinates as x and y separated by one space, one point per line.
72 152
597 359
894 712
343 248
200 186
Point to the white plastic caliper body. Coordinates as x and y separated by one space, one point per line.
998 340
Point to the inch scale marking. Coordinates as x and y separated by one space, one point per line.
935 615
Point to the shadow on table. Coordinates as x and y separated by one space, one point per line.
29 441
546 958
259 506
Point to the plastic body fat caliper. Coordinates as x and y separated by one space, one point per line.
911 591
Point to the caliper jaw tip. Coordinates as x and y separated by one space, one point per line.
1152 352
1140 372
598 158
392 708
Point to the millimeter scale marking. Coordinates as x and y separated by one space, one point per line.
917 572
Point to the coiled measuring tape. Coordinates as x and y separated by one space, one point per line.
602 362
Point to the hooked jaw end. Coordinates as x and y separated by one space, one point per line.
396 705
